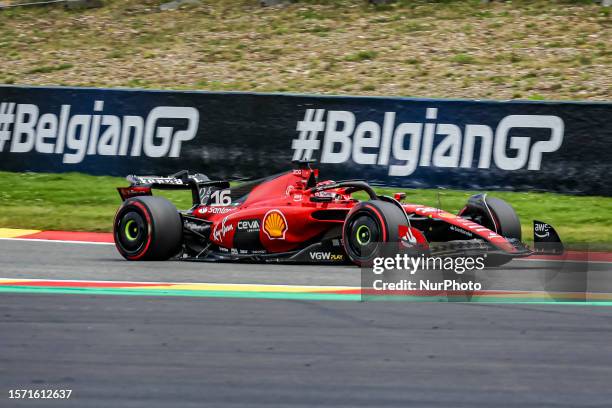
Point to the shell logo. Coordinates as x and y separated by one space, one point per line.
275 224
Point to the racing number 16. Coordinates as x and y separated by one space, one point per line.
220 197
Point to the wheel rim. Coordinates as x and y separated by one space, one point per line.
131 232
364 236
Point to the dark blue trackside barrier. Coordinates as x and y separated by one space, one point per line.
544 146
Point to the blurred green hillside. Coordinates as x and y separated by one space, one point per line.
537 49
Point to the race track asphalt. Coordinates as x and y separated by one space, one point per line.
145 351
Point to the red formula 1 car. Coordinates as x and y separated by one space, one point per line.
294 217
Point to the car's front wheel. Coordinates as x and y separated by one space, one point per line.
368 227
147 229
496 215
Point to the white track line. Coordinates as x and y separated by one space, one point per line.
179 283
239 285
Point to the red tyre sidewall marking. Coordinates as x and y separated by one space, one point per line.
145 211
382 224
381 220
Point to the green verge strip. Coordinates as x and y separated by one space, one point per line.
285 295
92 201
188 293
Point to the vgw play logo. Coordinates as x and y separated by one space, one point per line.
23 128
405 146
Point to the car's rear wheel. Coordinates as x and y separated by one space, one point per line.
147 229
368 227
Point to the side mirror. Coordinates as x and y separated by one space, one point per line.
399 196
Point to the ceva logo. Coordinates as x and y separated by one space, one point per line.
405 146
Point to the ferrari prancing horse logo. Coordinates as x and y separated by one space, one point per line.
275 224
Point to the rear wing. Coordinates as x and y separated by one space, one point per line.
200 185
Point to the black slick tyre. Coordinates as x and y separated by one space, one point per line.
147 228
368 227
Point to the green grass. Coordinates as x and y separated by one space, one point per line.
80 202
361 56
463 59
49 68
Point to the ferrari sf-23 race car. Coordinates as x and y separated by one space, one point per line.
294 217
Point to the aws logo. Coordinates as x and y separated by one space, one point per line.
541 230
275 224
